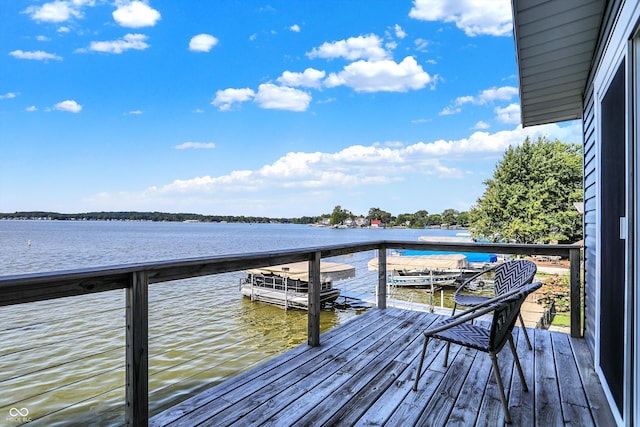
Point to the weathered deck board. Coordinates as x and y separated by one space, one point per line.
547 394
363 373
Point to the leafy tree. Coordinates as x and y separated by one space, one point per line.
463 219
530 197
377 213
405 219
339 215
419 219
449 216
434 219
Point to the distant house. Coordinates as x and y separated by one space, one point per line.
580 59
325 221
376 223
349 222
362 221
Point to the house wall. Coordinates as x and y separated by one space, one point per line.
620 25
590 204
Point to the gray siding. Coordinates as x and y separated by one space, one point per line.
590 206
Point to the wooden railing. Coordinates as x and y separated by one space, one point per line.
136 278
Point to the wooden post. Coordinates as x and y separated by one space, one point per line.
382 277
137 371
313 312
576 293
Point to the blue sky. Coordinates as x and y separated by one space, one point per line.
266 108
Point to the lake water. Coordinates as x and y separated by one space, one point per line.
62 361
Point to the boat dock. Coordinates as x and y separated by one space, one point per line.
363 372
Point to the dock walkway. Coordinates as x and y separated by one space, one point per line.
363 372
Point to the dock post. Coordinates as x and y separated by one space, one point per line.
313 312
382 277
576 297
137 353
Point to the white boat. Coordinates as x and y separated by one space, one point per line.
423 271
287 285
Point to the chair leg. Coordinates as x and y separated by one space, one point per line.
524 328
515 357
446 350
446 354
496 371
424 350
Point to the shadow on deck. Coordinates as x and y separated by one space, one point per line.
363 371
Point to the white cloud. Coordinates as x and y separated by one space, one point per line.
481 125
382 76
196 145
129 41
361 47
225 99
135 14
57 11
305 176
509 114
505 93
295 28
202 43
69 106
474 17
31 109
274 97
37 55
134 113
400 33
308 78
43 38
63 29
487 96
421 44
8 95
448 111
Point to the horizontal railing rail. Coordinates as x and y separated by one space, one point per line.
136 278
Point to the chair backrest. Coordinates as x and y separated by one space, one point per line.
505 315
512 275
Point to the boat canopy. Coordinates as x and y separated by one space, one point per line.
329 271
423 262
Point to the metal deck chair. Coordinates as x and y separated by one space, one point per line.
509 275
458 329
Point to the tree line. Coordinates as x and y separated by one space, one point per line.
418 220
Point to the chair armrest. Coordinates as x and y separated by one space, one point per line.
478 310
461 318
472 278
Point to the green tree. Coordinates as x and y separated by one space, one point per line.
420 219
463 219
530 197
377 213
339 215
449 216
405 219
434 219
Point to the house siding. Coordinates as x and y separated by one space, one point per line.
590 205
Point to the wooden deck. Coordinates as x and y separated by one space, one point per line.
363 372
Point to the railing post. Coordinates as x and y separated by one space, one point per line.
313 311
137 371
382 277
576 296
